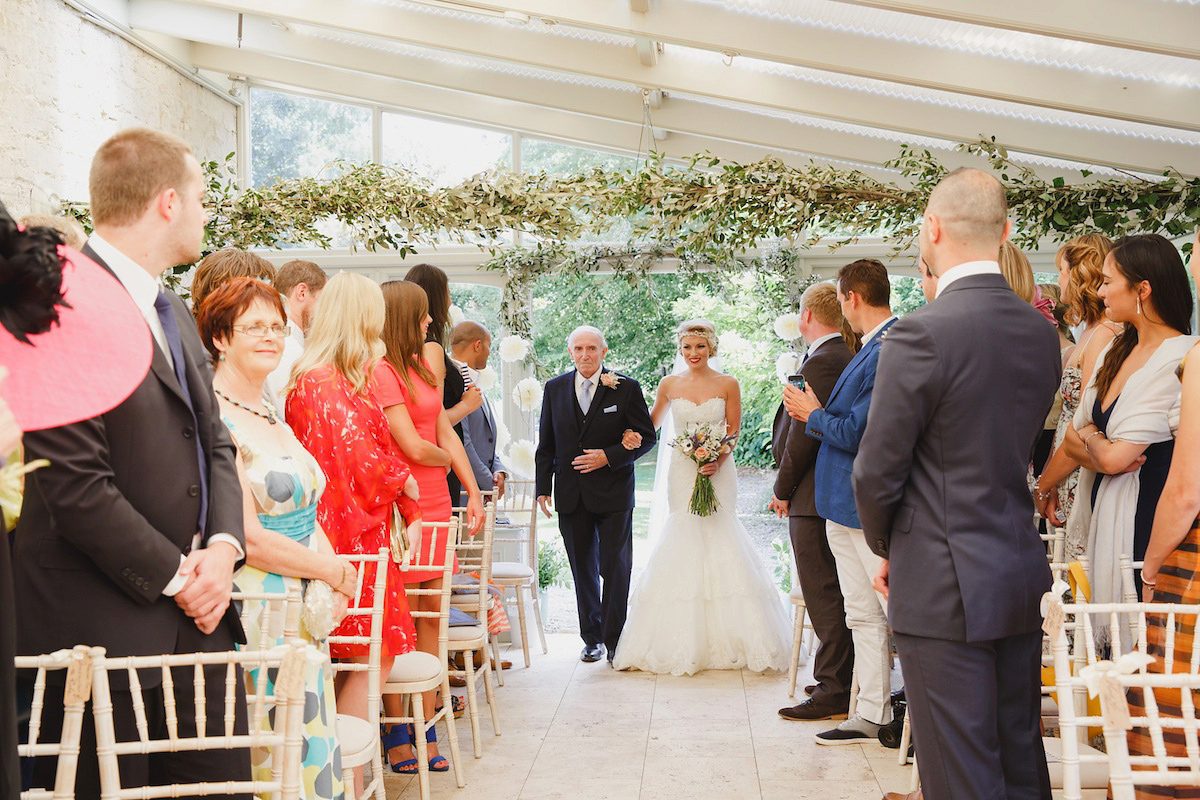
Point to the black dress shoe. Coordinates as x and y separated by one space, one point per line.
812 709
592 652
812 687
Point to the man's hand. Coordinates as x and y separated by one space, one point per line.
631 440
499 479
800 404
544 502
780 507
881 579
590 461
205 597
472 399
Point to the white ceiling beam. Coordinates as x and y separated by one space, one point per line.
677 115
878 57
534 119
602 60
1169 28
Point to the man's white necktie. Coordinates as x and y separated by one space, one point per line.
585 396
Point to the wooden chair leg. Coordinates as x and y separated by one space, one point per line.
452 730
853 695
490 692
472 701
495 640
537 616
798 612
418 712
521 618
905 741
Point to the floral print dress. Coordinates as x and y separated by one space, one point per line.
286 484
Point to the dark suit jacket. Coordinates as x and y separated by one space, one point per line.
795 452
565 432
962 391
103 526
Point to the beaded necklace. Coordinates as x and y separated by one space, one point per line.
269 416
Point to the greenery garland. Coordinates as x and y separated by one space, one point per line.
705 213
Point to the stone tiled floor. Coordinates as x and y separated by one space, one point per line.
574 730
585 732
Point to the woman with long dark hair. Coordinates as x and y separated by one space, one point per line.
458 397
406 390
1124 429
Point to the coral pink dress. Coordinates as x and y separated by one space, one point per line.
348 435
424 406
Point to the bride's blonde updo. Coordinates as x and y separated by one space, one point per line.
701 328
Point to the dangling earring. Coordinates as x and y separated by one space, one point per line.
222 357
1139 305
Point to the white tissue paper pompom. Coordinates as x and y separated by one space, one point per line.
513 348
503 437
787 327
527 393
486 378
456 315
521 458
787 364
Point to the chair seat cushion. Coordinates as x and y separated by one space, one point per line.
511 570
467 633
797 596
415 666
356 737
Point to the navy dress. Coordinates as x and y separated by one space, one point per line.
1152 479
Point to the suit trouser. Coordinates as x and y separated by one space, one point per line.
866 617
833 664
600 546
158 768
976 715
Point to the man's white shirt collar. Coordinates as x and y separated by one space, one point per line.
820 340
965 270
595 379
142 287
871 334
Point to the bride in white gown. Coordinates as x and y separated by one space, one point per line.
704 600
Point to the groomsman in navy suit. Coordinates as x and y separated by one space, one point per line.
585 413
864 292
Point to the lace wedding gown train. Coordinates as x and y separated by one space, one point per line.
705 600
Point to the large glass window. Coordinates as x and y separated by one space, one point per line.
293 136
539 155
444 152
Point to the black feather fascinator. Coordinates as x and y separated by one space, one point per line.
30 278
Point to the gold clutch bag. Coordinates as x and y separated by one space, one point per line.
399 540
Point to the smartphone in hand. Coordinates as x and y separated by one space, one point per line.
797 380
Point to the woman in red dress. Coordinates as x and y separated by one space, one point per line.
411 398
333 414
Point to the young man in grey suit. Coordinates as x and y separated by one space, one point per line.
129 538
795 454
962 390
470 346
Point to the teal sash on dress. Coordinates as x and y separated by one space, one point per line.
297 525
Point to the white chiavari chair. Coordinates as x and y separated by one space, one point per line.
358 737
277 614
283 737
517 525
77 663
1160 768
800 624
417 672
475 556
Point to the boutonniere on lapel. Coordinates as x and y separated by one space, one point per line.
610 379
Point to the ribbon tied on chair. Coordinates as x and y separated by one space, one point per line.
1103 680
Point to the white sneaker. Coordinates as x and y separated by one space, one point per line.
855 730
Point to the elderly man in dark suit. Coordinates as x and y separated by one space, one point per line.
129 538
585 413
795 454
962 390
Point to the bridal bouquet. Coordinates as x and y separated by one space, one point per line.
703 444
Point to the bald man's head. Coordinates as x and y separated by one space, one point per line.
471 344
970 212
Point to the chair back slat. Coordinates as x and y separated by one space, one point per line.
516 514
77 664
475 556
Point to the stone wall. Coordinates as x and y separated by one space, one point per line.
66 85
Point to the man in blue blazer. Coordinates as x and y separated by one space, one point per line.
864 292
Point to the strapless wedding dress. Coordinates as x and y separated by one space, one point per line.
705 599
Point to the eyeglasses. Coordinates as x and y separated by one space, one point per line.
260 331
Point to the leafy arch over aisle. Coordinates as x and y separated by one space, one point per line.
704 213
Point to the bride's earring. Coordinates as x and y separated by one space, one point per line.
1139 305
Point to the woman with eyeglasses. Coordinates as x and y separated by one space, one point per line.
242 323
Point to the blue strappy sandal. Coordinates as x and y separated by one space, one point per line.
437 763
398 736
